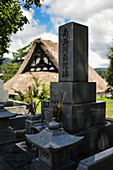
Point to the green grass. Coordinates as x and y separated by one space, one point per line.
109 106
38 110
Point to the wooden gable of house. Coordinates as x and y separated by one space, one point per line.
39 60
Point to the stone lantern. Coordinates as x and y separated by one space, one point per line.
54 147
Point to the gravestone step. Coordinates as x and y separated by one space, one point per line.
7 136
78 117
100 161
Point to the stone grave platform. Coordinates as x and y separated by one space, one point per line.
99 161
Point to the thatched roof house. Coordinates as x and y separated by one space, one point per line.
42 61
43 56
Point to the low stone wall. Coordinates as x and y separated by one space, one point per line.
17 123
21 110
16 107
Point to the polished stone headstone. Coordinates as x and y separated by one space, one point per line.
80 109
73 52
81 115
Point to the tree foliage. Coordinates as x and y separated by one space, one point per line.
19 56
8 71
28 3
11 20
102 73
109 78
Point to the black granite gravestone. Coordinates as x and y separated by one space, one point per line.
80 110
81 115
73 52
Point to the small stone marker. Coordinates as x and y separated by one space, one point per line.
3 93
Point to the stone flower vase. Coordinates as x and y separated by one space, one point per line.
32 119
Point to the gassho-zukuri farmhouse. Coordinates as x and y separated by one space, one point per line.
42 61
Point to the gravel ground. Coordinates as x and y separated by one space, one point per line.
13 155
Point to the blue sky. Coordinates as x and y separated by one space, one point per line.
44 23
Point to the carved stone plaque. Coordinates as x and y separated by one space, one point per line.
73 52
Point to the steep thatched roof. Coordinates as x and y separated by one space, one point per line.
22 81
93 76
42 48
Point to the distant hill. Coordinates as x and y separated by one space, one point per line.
6 60
98 69
102 72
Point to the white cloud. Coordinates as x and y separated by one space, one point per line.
76 9
31 31
101 31
49 36
96 61
97 15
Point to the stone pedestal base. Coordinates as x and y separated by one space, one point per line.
31 120
96 139
76 92
102 160
79 117
7 136
38 165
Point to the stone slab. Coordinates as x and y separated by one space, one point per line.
76 92
1 85
21 110
73 52
7 136
1 106
96 139
100 161
17 123
28 125
38 127
4 123
3 96
6 114
44 104
47 114
79 117
38 165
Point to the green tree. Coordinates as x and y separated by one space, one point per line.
12 20
109 78
102 73
28 3
8 71
19 56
